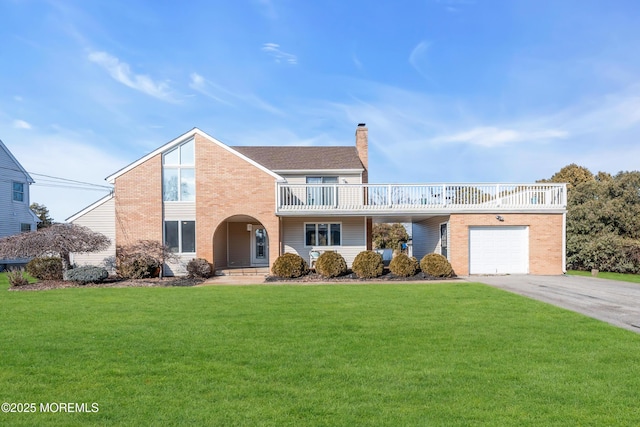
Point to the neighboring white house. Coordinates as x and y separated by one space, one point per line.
15 214
99 217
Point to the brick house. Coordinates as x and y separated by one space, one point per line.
244 206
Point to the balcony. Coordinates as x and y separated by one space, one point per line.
417 199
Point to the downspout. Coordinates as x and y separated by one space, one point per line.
564 242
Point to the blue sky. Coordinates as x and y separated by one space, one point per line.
451 90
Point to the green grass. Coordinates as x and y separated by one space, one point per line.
435 354
633 278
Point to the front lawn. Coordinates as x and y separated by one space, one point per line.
633 278
430 354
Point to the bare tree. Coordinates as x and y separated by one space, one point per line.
58 239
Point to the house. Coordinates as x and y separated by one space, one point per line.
15 214
244 206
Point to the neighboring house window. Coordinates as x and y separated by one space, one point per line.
180 236
178 174
322 195
25 228
18 191
323 234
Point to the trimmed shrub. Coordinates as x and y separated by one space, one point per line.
137 266
368 264
403 265
199 268
142 259
16 278
86 274
436 265
331 264
45 268
290 266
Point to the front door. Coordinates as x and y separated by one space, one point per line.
259 246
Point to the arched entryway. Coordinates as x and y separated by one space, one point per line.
240 241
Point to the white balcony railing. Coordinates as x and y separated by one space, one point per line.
417 198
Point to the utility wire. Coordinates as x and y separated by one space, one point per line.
64 180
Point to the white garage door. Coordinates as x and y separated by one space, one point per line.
499 250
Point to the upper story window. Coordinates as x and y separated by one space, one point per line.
321 195
18 191
178 173
25 228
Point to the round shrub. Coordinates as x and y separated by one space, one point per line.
331 264
436 265
137 266
45 268
86 274
403 265
368 264
199 268
290 266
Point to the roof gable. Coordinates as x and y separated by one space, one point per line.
283 158
183 138
17 163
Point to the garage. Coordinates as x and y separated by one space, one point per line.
499 250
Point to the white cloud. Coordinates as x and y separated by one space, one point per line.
273 49
227 97
121 72
357 62
418 57
494 137
21 124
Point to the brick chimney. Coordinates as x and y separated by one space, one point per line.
362 146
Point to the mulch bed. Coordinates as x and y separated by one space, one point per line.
114 282
353 278
111 282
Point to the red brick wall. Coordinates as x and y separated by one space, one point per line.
545 239
138 198
227 185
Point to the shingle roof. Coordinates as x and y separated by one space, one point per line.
281 158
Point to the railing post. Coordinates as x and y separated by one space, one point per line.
498 197
444 195
335 196
389 202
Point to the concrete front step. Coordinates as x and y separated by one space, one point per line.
248 271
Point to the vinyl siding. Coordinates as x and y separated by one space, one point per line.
12 213
179 267
101 219
353 236
426 236
179 211
302 179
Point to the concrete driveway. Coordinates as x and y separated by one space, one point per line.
617 303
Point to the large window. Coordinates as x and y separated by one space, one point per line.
180 236
18 191
322 195
178 174
324 234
